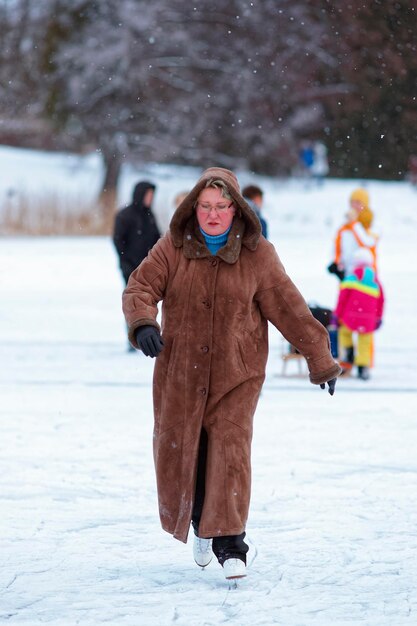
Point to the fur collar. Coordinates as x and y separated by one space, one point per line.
246 228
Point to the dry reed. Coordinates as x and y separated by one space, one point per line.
51 214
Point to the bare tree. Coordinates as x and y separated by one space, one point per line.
21 80
373 125
238 83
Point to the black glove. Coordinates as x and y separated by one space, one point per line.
331 384
149 340
333 268
378 324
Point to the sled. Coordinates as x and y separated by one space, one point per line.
290 354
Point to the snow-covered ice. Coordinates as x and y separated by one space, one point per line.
333 521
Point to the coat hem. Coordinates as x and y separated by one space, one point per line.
211 534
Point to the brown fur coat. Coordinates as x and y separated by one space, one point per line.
215 311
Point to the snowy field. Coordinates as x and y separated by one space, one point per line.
333 522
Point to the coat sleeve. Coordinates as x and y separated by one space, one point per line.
282 304
121 243
367 238
338 247
119 235
146 287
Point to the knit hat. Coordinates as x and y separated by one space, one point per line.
366 217
360 195
363 257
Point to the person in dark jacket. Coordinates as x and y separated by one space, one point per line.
135 229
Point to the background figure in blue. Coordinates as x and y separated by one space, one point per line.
254 196
307 158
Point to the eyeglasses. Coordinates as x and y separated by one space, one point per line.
219 208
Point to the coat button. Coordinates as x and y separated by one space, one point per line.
214 262
205 348
207 304
203 391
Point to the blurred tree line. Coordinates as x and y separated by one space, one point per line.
238 83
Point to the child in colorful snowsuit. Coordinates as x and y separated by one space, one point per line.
353 235
359 310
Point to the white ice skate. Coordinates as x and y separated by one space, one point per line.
234 568
202 551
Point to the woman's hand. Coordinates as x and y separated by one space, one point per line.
331 384
149 340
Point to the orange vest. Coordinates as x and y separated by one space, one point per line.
361 244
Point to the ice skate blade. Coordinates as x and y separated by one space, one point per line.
233 582
202 567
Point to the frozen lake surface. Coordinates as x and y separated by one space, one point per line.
332 526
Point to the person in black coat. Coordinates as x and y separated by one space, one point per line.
135 229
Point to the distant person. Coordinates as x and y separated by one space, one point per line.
359 310
135 229
306 157
352 235
320 165
254 196
179 198
412 169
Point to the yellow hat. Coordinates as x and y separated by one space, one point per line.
366 217
361 195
